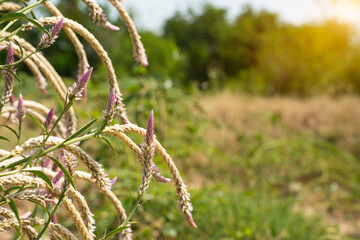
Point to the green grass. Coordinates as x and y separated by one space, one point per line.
252 189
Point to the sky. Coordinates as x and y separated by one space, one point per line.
151 14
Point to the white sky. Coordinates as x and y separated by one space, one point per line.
151 14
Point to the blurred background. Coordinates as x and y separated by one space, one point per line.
257 101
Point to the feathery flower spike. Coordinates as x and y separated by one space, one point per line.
49 120
70 161
113 181
149 138
77 88
110 109
12 100
45 162
56 180
148 152
98 16
21 111
8 77
47 40
54 219
157 176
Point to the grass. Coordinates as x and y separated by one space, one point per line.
297 154
257 168
275 168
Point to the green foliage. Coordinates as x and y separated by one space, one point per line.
253 189
228 213
199 37
260 54
255 52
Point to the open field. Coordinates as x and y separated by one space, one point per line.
257 168
303 149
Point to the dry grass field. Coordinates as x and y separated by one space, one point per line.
295 124
338 119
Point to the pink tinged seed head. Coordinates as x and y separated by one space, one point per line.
45 162
140 54
54 167
8 77
157 176
185 205
113 181
21 101
84 79
84 93
49 120
144 61
10 56
12 99
21 111
77 88
54 31
47 40
44 91
70 161
56 180
110 107
189 218
149 138
110 26
54 219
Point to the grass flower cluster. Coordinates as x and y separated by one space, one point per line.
42 170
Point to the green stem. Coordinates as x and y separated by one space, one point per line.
51 215
24 10
66 108
20 60
126 221
19 134
53 148
10 35
30 7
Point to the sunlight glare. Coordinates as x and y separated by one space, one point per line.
342 10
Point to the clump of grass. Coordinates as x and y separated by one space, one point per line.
43 170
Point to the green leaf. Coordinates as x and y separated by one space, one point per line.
32 12
15 76
3 198
58 237
12 16
11 129
41 175
19 237
15 16
37 123
115 231
14 209
81 130
13 188
62 168
21 50
4 138
36 23
107 141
